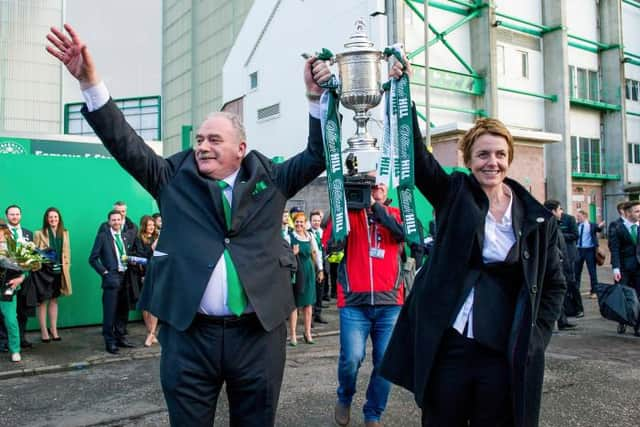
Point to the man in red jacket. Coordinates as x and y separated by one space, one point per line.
370 294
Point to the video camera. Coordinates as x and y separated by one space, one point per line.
357 186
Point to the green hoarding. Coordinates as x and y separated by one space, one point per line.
84 190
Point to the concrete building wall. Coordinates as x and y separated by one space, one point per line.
125 40
584 123
30 87
582 18
513 74
197 36
270 45
631 39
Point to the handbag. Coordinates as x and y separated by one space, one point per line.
6 291
601 256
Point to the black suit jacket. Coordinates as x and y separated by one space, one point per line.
461 209
194 234
104 258
625 255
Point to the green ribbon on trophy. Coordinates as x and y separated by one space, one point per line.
397 157
330 120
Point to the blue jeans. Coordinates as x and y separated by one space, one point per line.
356 324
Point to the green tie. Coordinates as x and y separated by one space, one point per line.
14 231
634 233
236 298
120 246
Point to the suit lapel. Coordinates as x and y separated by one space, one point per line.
249 197
112 245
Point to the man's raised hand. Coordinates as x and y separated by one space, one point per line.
73 53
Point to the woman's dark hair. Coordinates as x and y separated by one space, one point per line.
45 223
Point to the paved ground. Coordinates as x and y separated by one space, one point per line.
592 379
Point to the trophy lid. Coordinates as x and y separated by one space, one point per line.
359 39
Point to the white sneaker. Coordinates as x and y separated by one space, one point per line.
15 357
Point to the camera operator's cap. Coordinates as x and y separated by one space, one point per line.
295 210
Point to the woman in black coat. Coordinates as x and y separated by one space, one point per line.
470 340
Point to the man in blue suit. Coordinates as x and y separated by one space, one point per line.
587 246
219 280
109 259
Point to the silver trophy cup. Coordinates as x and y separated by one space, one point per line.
361 90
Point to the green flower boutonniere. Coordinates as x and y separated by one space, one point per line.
260 187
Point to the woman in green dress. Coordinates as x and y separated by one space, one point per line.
305 248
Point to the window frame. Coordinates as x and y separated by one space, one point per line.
131 108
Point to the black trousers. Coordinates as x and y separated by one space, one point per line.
216 350
115 312
469 386
317 307
333 278
587 255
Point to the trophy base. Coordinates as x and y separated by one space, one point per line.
362 143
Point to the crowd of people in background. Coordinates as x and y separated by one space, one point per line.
120 253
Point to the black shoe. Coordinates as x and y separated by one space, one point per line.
124 344
326 298
319 319
25 344
622 328
334 296
566 326
4 349
579 314
636 333
112 349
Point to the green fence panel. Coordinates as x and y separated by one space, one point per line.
84 190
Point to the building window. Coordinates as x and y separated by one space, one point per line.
631 89
253 80
142 114
271 111
585 155
633 151
524 64
584 84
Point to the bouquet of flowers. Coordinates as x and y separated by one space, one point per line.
23 256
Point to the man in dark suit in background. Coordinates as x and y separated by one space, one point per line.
129 228
322 286
109 259
568 263
587 246
220 278
567 224
26 297
625 252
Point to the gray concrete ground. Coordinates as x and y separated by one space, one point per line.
592 379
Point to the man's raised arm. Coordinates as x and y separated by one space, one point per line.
108 122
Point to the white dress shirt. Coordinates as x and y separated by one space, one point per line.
214 299
121 266
584 235
499 238
19 232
